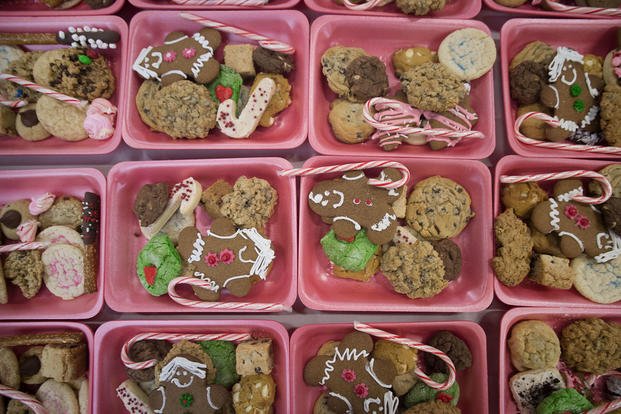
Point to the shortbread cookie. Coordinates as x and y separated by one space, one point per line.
468 53
334 61
64 270
9 368
552 271
598 282
533 345
254 357
61 120
348 123
66 211
58 398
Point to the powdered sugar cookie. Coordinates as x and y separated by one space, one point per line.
61 235
598 282
58 398
64 270
468 53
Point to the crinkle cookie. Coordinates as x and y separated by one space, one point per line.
185 110
415 270
348 123
420 7
533 345
334 61
454 347
251 204
610 120
366 78
592 345
25 269
598 282
438 208
432 87
512 261
61 119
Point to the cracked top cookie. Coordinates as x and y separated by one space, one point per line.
432 87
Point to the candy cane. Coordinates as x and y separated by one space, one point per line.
244 3
591 11
606 408
26 399
129 363
416 345
24 246
556 145
232 306
265 42
303 172
366 5
12 103
43 90
607 188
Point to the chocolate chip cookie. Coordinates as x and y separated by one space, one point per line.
333 64
347 122
432 87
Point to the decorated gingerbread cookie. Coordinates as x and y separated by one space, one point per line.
181 57
226 257
578 225
356 383
350 204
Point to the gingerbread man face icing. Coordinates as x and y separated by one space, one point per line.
181 57
571 93
226 257
350 204
578 225
356 383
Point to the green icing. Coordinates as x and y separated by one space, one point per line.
579 105
186 400
229 78
352 256
161 253
421 392
222 354
567 400
575 90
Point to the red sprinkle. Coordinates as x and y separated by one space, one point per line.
149 274
223 93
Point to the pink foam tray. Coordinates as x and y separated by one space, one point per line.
529 10
390 34
124 293
529 293
557 319
472 292
14 145
111 336
24 184
587 37
306 341
170 5
38 8
454 9
290 128
26 328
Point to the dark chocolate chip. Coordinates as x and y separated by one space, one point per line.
11 219
29 118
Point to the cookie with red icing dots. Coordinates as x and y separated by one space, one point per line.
158 263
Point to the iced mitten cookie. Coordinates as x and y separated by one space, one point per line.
64 270
598 282
334 61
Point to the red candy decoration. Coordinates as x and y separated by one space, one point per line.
223 93
361 390
149 274
92 54
444 397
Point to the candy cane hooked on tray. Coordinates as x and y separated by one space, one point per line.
26 399
555 145
591 11
193 281
606 187
232 337
303 172
378 333
243 3
366 5
264 41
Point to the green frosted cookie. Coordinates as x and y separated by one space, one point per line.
226 85
350 256
158 263
421 392
567 400
222 354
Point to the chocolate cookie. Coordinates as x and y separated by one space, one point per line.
151 202
432 87
348 123
143 351
451 345
450 253
526 80
366 78
611 213
270 61
334 61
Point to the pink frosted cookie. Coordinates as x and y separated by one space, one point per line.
134 398
61 235
58 398
64 270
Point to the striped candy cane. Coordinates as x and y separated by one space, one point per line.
43 90
365 5
303 172
264 41
243 3
129 363
18 103
606 408
556 145
606 187
26 399
590 11
416 345
231 306
24 246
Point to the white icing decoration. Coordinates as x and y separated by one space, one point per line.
350 409
556 96
563 54
615 245
169 371
346 355
202 40
600 243
342 199
61 35
161 409
209 401
573 236
570 82
568 196
213 286
384 223
590 117
143 59
172 42
567 125
369 368
554 215
326 193
199 63
197 250
369 401
391 403
594 92
174 72
324 203
355 223
354 178
393 192
315 198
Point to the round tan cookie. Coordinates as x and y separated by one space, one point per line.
534 345
12 215
532 127
334 61
536 51
613 173
438 208
61 235
432 87
347 122
9 368
66 211
598 282
511 3
408 58
58 398
145 102
321 405
61 120
468 53
29 361
28 126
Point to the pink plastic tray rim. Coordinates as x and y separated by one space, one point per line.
110 372
529 10
305 342
532 294
36 9
168 4
17 184
390 34
456 9
586 36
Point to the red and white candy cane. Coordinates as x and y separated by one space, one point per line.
366 5
193 281
172 337
378 333
43 90
591 11
243 3
303 172
264 41
556 145
606 408
605 184
24 246
17 103
26 399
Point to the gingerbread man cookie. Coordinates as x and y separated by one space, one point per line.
350 204
181 57
356 383
578 225
571 93
226 257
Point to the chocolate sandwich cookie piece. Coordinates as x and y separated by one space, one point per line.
270 61
450 253
151 202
